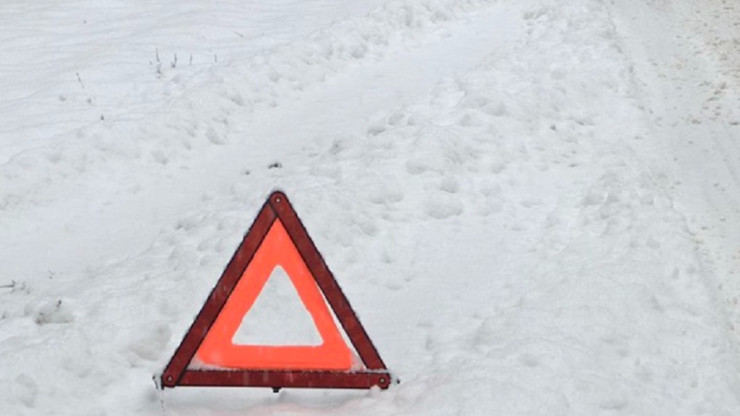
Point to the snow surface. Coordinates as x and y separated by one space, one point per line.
533 205
279 308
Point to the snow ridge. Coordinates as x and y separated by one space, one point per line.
200 118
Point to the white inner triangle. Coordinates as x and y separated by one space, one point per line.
277 317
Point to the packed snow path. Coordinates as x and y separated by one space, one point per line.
510 194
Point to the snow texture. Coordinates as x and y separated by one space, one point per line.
532 205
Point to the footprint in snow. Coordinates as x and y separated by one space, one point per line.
443 207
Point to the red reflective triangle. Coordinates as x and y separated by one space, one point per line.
276 238
217 349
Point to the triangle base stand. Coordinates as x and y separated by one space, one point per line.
278 379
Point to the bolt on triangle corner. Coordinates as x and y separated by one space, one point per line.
207 357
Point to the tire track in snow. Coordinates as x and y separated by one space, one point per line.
691 95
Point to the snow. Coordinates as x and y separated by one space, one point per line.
532 205
278 307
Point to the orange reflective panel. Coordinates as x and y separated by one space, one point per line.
217 349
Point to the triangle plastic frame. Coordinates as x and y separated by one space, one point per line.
177 373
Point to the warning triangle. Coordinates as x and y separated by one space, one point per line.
208 355
217 348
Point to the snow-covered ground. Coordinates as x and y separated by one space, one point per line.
534 206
